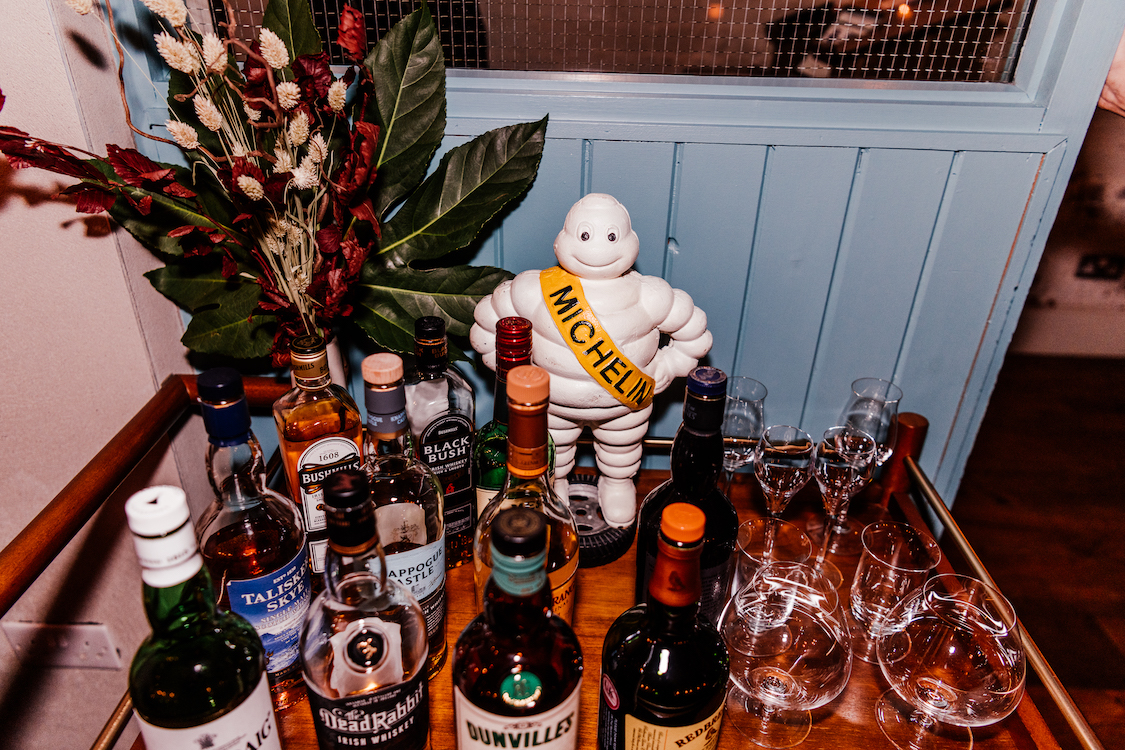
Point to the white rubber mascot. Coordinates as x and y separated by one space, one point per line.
597 329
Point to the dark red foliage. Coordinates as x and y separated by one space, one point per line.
313 75
25 151
352 33
356 175
139 171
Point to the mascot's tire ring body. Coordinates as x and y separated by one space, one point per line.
599 543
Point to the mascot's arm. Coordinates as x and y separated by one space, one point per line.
482 336
686 326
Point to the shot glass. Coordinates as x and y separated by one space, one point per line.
897 558
764 540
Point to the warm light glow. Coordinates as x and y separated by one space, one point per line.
715 11
904 11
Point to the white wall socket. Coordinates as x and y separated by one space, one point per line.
74 645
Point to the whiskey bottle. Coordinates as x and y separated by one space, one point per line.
664 667
441 410
517 667
363 645
251 538
528 485
696 462
202 671
407 497
320 431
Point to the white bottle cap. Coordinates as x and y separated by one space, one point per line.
163 536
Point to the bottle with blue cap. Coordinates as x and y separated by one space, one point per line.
251 537
696 464
200 676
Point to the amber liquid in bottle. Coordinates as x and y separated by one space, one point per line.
320 432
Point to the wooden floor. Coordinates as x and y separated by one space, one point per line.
1043 503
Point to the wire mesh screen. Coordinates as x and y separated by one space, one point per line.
910 40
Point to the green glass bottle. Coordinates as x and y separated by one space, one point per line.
201 674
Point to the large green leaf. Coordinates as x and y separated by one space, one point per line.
408 71
166 213
470 186
391 299
196 283
232 328
292 21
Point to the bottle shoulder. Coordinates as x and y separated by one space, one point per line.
302 398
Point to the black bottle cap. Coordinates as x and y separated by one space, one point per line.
220 384
519 532
707 381
429 328
349 512
308 346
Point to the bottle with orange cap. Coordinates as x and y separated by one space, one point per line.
407 496
528 485
664 666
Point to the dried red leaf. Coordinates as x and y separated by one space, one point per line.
230 268
90 199
313 75
328 240
356 175
25 151
352 33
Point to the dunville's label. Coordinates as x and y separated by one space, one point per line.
396 717
554 729
446 446
275 604
250 726
321 460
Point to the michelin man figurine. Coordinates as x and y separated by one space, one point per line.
597 328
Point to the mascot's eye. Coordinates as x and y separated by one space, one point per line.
585 236
612 237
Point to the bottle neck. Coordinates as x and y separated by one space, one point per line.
237 472
505 361
697 451
527 441
388 431
431 356
518 594
180 605
353 549
675 587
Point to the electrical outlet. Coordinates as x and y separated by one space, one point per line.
1106 266
75 645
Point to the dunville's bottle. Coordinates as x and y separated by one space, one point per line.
442 413
528 485
664 667
251 538
201 674
517 667
696 462
363 645
320 430
408 500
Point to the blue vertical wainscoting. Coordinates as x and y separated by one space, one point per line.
830 229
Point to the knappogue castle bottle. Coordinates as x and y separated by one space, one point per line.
664 666
696 462
441 409
517 667
201 674
528 485
363 646
408 500
320 431
251 538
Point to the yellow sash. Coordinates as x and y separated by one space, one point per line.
595 350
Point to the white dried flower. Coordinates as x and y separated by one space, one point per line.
81 7
237 149
178 55
253 115
183 134
300 278
337 93
284 161
273 49
214 53
208 113
251 187
318 149
288 94
174 10
271 244
305 176
298 130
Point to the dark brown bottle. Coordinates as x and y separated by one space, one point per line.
517 667
664 666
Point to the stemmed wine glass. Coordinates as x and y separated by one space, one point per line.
782 459
954 659
843 463
789 652
743 420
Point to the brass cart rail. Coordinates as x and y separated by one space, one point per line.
29 554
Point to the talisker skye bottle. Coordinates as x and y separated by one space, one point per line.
664 667
517 667
696 462
363 645
201 675
251 538
441 410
